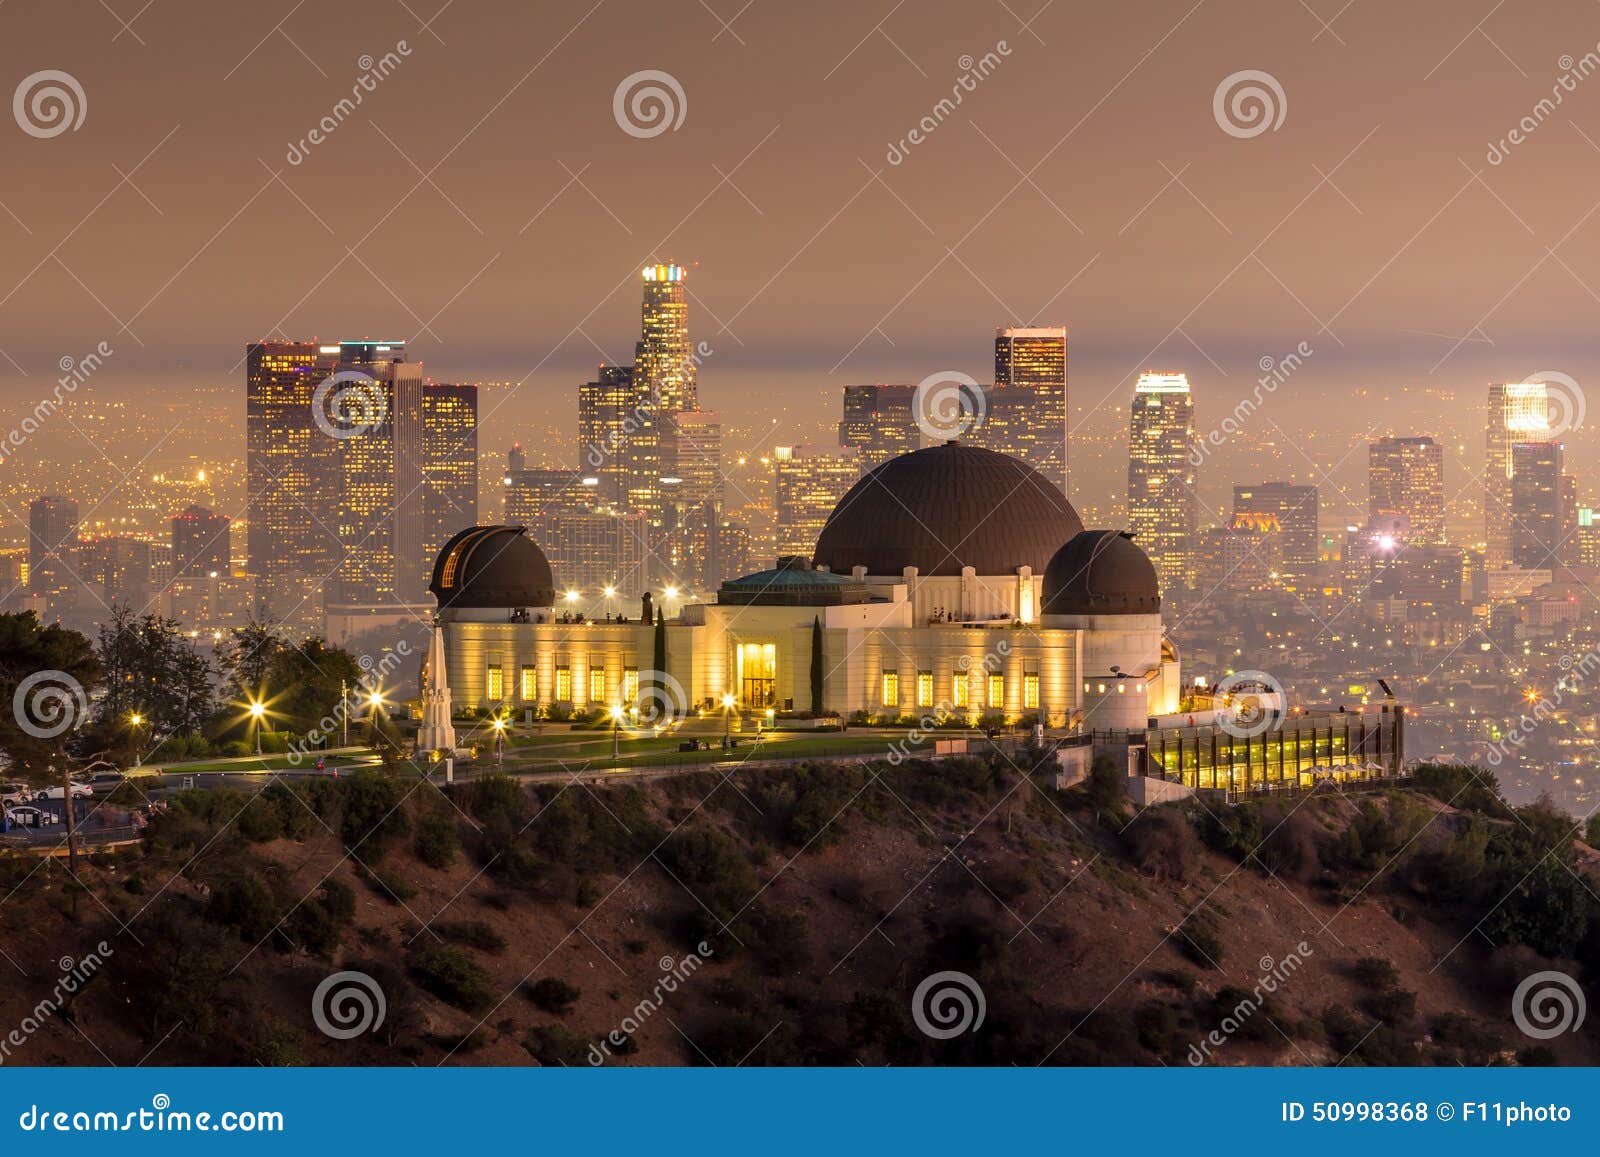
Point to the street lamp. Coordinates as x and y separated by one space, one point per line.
771 715
616 731
134 722
727 719
500 743
258 710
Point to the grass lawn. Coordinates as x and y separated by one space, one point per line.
663 752
278 762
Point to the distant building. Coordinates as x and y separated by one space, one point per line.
1518 412
1405 477
378 497
290 476
878 423
449 462
1162 507
664 369
604 430
807 484
1026 415
200 543
1538 492
1587 538
534 493
123 569
1232 560
1286 513
686 542
52 548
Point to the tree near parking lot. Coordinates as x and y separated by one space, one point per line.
46 674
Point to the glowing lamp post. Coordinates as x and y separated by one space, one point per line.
258 711
727 719
500 743
616 731
135 721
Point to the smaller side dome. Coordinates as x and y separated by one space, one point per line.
492 566
1101 572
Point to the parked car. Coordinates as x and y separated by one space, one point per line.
11 793
106 782
54 791
27 816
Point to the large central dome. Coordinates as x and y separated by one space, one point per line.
944 508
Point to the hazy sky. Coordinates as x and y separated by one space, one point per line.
484 202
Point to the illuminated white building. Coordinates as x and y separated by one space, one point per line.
949 580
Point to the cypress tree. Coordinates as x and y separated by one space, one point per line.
816 665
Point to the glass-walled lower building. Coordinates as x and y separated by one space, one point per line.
1338 746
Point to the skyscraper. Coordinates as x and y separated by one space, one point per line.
1405 478
200 543
449 463
664 361
1287 514
52 548
378 497
1162 507
1027 409
533 494
1538 505
604 406
290 471
1518 412
878 423
691 498
806 485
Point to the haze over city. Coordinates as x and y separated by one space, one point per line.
916 534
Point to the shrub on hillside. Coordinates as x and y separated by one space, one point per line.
449 974
1163 844
1198 939
472 933
437 842
552 994
1375 973
554 1044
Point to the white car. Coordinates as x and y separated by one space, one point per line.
31 817
79 791
11 793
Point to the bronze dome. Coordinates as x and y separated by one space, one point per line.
946 507
1101 572
493 566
